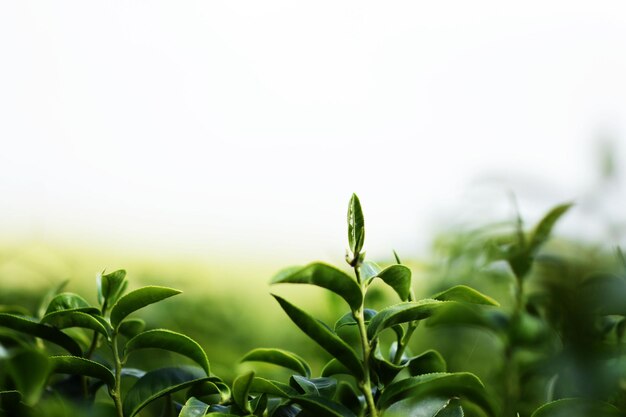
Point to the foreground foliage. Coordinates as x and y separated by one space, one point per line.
73 358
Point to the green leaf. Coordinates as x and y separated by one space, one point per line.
65 319
279 357
397 277
131 327
465 294
347 397
402 313
194 408
322 407
241 390
428 362
348 318
325 387
29 370
42 331
137 299
356 225
159 383
542 231
334 367
169 340
461 384
43 305
576 407
323 336
270 387
79 366
111 286
369 270
211 388
325 276
428 407
68 301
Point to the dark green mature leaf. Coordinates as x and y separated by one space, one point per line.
576 407
397 277
323 336
348 318
111 286
542 231
279 357
9 399
428 362
42 331
347 397
325 276
131 327
465 294
275 388
29 370
402 313
356 225
137 299
241 390
194 408
334 367
322 407
461 384
68 301
159 383
169 340
64 319
79 366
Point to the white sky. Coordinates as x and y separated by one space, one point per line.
209 127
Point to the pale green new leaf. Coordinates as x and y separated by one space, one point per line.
465 294
194 408
171 341
356 225
241 390
279 357
542 231
137 299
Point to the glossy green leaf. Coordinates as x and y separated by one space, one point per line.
322 407
241 390
428 362
29 370
194 408
424 407
348 318
42 331
68 301
397 277
211 388
111 286
461 384
323 336
171 341
356 225
279 357
325 387
465 294
270 387
137 299
65 319
369 270
159 383
131 327
79 366
334 367
325 276
542 231
402 313
576 407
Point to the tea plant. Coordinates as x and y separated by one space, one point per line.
371 378
36 350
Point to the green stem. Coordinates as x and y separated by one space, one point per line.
366 383
116 391
402 344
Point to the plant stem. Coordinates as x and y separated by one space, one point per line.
116 391
366 384
402 344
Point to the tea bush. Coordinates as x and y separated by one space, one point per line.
556 343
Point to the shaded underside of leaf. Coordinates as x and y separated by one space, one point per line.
42 331
193 408
79 366
465 294
402 313
279 357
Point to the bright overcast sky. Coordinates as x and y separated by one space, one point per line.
213 126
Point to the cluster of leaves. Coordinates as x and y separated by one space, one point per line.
72 357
